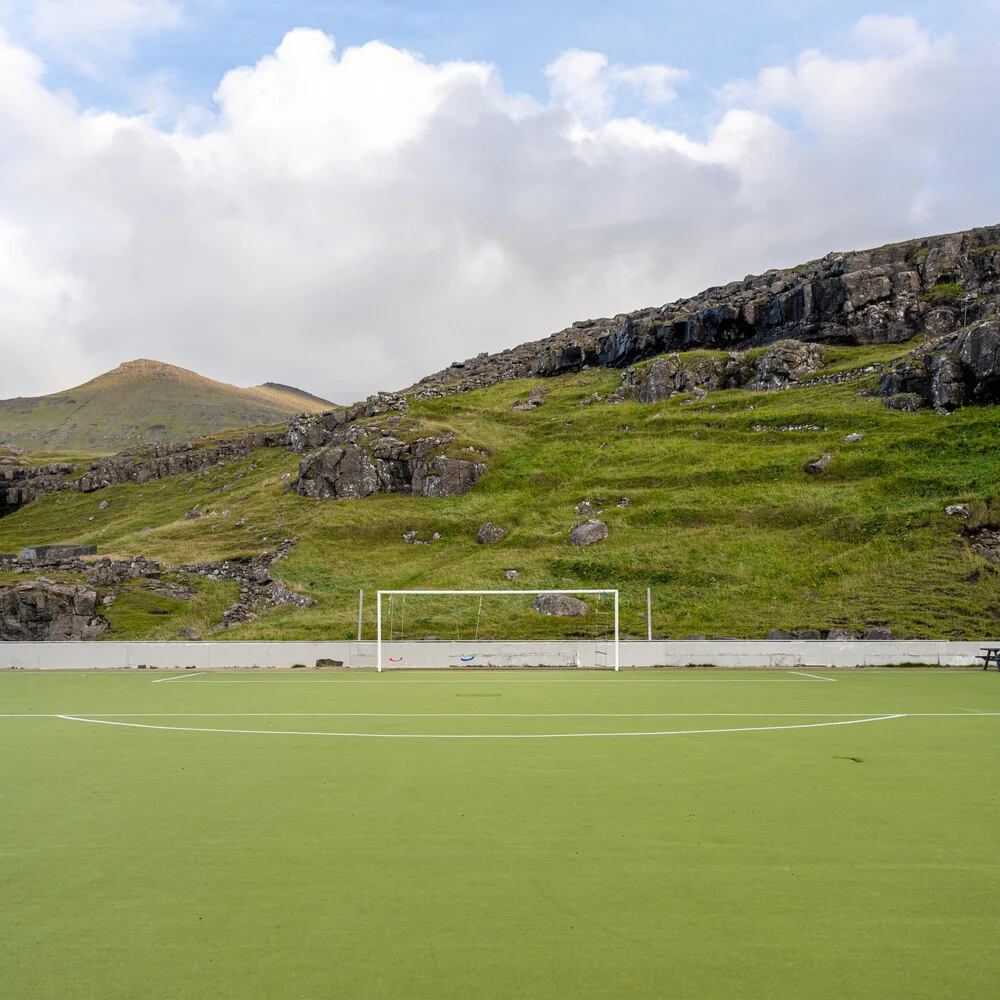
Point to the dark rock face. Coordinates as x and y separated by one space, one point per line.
781 365
490 533
20 484
352 470
144 465
48 612
589 532
957 370
787 361
560 605
357 460
869 297
309 431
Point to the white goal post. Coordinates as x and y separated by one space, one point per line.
605 592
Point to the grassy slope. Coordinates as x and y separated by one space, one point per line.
138 402
730 533
695 867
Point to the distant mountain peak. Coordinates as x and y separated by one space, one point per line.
143 401
147 366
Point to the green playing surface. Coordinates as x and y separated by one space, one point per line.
498 835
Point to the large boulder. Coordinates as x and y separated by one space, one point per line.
589 532
787 361
342 473
37 611
877 632
842 635
451 477
490 533
351 470
560 605
818 465
658 382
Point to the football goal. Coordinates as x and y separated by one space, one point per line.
478 618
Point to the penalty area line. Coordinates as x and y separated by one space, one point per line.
177 677
475 736
815 677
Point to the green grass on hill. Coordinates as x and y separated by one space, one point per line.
733 537
834 862
142 402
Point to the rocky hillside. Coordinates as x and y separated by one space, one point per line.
143 402
884 296
808 452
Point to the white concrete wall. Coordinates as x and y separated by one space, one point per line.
400 655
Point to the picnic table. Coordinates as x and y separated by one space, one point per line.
991 653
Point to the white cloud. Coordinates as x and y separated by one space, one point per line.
91 31
585 83
350 221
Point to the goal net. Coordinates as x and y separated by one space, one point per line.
497 628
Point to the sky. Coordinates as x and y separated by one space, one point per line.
347 196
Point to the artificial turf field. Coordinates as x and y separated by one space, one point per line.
275 859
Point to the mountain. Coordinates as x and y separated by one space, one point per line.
140 402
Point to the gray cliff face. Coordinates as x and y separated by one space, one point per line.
159 461
781 365
44 611
20 484
356 459
351 470
949 372
887 295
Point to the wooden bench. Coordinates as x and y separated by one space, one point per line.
991 653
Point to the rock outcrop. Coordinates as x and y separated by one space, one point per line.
158 461
885 295
949 372
20 484
360 462
309 431
39 611
779 366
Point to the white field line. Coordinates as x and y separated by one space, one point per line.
494 678
475 736
969 714
815 677
177 677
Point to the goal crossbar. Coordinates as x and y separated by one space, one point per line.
604 591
